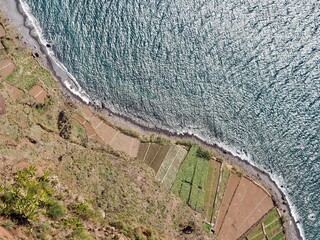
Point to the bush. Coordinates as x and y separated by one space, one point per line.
64 125
81 235
204 153
84 211
26 197
186 143
55 210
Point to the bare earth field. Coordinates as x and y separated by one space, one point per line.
249 204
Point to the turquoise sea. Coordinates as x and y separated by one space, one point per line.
239 73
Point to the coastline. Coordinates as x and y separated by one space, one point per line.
30 38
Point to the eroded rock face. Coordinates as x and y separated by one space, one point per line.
2 106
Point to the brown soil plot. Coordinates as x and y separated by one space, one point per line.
2 106
249 204
14 92
122 143
151 154
106 132
6 67
143 150
38 93
157 161
227 197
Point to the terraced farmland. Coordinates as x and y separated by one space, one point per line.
211 188
170 166
270 227
230 203
191 180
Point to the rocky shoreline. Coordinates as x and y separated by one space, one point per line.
29 37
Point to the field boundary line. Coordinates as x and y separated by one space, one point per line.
170 166
218 188
229 203
146 152
155 155
113 138
253 210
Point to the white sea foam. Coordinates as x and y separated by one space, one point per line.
76 89
70 83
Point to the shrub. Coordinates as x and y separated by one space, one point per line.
26 197
55 210
64 125
83 210
204 153
81 235
186 143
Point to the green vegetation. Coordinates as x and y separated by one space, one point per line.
27 196
272 225
92 187
256 233
191 180
64 125
129 132
211 188
221 189
152 138
204 153
186 143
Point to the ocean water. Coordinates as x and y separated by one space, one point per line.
239 73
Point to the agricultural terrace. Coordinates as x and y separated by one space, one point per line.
249 204
270 227
165 160
191 181
170 166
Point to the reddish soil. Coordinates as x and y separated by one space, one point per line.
4 234
95 122
7 141
123 143
38 93
106 132
2 32
135 144
1 46
14 92
2 106
248 205
79 119
97 138
87 113
6 67
90 131
227 198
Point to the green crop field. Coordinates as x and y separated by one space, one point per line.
211 187
272 226
193 172
220 192
270 217
280 236
256 233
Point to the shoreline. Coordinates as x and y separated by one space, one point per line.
29 37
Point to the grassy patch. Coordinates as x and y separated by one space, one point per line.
193 172
221 189
256 233
211 187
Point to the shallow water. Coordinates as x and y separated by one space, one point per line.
244 74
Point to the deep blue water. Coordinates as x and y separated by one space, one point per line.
244 74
